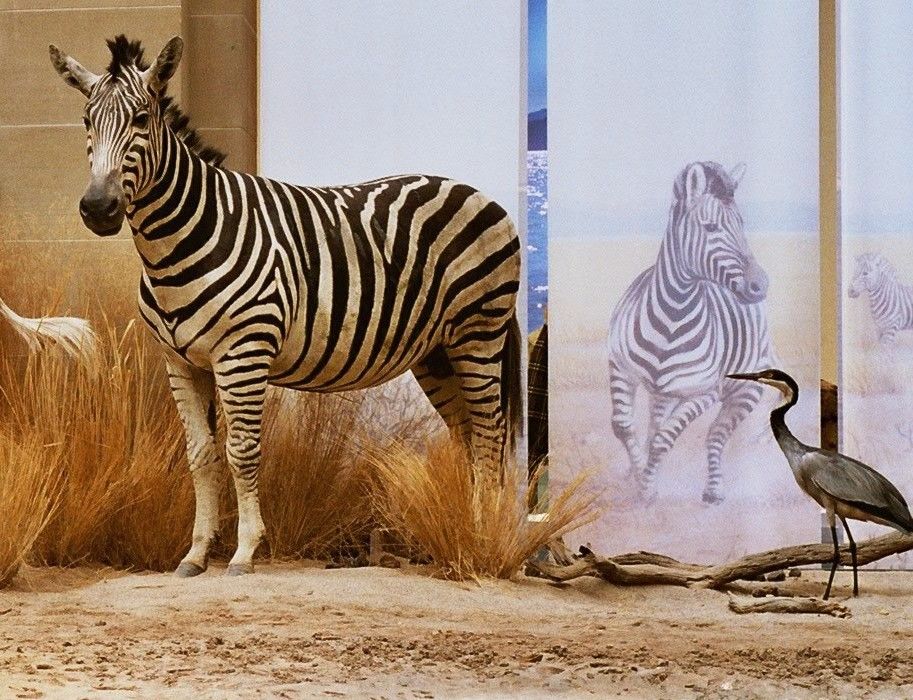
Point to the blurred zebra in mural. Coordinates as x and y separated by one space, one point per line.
73 335
249 282
890 301
687 321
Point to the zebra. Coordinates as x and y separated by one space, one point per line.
687 321
890 301
249 282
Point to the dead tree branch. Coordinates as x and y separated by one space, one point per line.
814 606
647 569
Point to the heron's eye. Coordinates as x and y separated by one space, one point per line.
85 120
711 227
141 120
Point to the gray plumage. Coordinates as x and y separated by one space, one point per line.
843 486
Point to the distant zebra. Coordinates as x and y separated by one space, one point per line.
248 282
890 301
687 321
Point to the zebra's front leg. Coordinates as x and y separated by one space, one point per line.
242 392
194 393
623 392
739 399
669 420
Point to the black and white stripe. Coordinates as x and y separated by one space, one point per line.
686 322
249 282
890 301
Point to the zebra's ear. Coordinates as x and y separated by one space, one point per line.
72 71
695 182
165 66
737 173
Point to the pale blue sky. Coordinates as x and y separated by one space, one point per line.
638 89
877 115
358 89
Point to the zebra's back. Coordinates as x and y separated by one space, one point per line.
355 283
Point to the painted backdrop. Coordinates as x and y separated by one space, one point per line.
876 93
683 219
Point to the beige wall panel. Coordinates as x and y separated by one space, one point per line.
237 143
223 80
83 4
34 92
245 8
45 172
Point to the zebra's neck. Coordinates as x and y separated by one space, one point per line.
171 210
670 284
888 296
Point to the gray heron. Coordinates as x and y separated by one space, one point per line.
843 486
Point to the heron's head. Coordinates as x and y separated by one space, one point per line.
776 378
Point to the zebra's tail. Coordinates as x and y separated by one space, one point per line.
512 383
74 335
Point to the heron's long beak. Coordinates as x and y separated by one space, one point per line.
753 376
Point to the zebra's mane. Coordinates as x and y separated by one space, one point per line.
126 53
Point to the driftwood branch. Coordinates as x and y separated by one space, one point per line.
814 606
646 569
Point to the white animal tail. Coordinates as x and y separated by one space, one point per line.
74 335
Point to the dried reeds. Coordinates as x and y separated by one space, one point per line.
431 501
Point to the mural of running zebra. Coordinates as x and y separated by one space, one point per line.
249 282
890 301
696 315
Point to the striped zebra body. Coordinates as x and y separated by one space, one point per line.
686 322
249 282
890 301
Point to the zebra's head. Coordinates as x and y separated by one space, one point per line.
124 118
871 271
706 233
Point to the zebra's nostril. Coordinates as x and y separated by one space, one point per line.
112 207
755 287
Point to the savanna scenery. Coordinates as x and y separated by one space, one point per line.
261 439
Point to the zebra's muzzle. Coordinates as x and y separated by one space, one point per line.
102 208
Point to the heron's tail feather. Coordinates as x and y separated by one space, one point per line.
74 335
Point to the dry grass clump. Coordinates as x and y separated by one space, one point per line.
113 438
430 500
28 497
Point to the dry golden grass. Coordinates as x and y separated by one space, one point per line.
27 497
429 501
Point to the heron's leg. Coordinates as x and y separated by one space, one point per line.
672 423
830 579
849 536
739 399
623 392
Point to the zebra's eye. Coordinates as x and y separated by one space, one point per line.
141 120
711 227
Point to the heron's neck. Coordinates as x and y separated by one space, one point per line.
787 441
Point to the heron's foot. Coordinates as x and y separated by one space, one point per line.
189 569
712 497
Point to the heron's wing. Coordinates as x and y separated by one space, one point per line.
853 482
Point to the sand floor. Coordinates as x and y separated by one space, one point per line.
299 631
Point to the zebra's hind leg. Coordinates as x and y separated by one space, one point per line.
194 394
623 391
739 398
670 420
436 377
478 363
242 392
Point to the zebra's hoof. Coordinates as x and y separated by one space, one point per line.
239 569
711 498
187 569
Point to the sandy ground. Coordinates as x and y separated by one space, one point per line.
295 631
